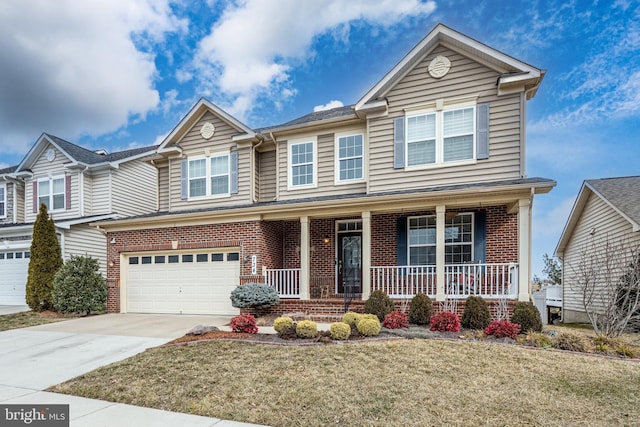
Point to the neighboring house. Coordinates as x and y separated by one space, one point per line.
606 210
418 187
78 186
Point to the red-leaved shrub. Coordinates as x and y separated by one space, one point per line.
445 321
503 329
396 320
244 323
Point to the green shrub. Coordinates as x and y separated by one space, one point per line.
572 342
365 316
307 329
350 318
78 287
340 331
281 323
379 304
369 327
45 261
254 295
527 316
420 309
476 314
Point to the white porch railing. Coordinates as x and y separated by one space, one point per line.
286 281
484 280
462 280
404 281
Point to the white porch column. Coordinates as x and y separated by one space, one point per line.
366 255
524 249
305 260
440 276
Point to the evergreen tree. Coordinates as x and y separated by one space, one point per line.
46 260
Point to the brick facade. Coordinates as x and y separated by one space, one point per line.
277 245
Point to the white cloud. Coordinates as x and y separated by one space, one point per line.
331 104
73 67
253 47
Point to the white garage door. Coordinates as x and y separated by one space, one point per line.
14 266
198 282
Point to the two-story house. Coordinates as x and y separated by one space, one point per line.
418 187
78 186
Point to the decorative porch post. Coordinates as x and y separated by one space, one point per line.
440 276
524 248
366 255
305 250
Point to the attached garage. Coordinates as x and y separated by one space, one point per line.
14 266
186 282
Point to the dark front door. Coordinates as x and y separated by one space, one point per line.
350 262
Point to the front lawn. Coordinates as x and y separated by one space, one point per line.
28 318
396 382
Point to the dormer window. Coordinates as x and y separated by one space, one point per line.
51 192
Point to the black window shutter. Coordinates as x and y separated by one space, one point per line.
402 241
480 237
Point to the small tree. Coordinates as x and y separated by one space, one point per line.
79 287
552 269
46 259
607 276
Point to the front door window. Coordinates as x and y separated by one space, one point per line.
350 262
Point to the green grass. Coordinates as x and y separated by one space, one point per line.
26 319
400 382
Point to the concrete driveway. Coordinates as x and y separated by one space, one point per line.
45 355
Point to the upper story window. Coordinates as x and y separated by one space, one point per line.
458 239
440 136
209 176
350 152
448 135
51 192
302 164
3 200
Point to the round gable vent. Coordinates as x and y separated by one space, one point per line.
439 67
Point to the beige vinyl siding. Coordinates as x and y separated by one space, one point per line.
267 175
83 240
88 194
100 194
163 186
20 202
193 144
42 168
606 221
326 170
134 190
466 78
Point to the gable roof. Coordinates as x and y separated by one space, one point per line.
195 113
514 72
621 194
338 113
80 155
9 170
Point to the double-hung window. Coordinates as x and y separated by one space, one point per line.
302 164
458 239
51 192
3 201
209 176
442 136
349 157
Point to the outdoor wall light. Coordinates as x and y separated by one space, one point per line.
112 263
113 240
326 239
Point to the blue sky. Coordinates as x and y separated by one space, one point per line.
122 73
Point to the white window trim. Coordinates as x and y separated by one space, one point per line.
3 213
336 157
290 143
49 183
439 110
471 243
207 177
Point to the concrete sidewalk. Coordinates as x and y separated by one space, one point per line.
35 358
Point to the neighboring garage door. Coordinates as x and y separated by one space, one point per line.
14 266
197 282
